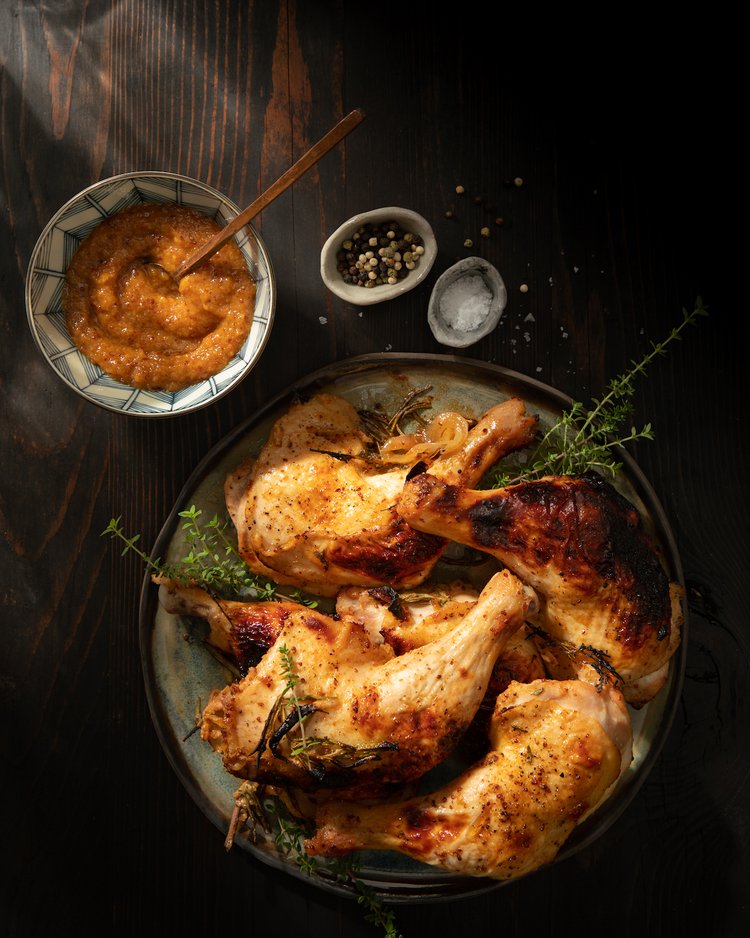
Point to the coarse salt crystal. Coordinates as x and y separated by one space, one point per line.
465 304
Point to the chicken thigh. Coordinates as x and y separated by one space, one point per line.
556 751
244 630
313 511
582 547
355 701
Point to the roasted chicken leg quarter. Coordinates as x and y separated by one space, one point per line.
359 712
557 750
313 511
583 548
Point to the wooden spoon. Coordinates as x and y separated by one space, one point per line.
326 143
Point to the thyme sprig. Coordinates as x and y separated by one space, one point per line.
290 838
302 745
291 831
585 439
376 912
286 719
595 658
211 561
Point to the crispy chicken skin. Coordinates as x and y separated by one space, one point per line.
311 511
582 547
556 751
580 620
242 630
402 623
415 706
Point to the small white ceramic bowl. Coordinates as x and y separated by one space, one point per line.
46 273
362 296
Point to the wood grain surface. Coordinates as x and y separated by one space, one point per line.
628 211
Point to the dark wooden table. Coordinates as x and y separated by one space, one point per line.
628 165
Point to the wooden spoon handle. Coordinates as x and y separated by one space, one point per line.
326 143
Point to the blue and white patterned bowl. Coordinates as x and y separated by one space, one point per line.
46 274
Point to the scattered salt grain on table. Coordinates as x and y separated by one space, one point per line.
465 304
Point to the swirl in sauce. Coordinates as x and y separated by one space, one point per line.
125 312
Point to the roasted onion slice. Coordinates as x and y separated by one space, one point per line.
445 434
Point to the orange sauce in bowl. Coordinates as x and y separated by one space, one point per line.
126 313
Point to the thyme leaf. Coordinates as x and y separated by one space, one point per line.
597 659
290 696
290 836
376 912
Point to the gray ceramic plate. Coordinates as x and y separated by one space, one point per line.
180 675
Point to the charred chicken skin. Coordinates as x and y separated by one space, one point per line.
241 630
314 511
583 549
382 719
556 751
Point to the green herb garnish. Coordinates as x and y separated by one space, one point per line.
211 562
586 439
290 838
376 912
286 720
291 832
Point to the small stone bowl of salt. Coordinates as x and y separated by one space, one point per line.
466 302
